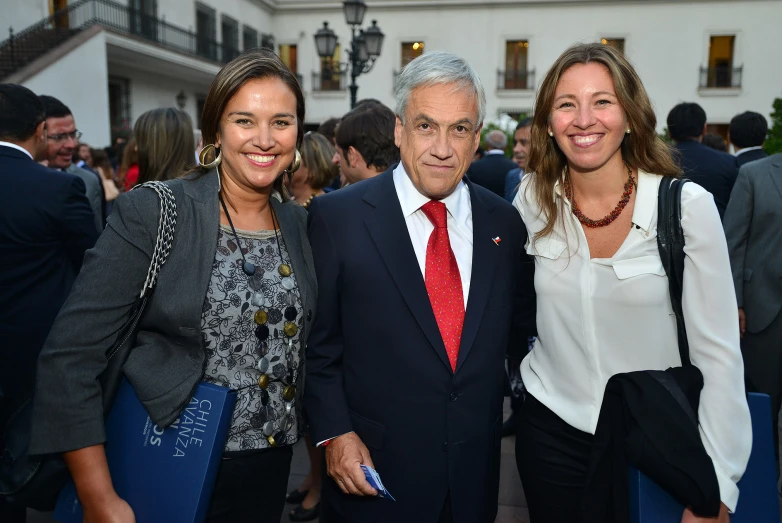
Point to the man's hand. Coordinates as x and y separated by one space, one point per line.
689 517
344 456
113 510
742 322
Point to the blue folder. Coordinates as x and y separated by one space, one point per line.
758 497
165 475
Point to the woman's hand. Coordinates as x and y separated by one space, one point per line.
113 510
689 517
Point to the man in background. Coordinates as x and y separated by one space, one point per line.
490 171
746 133
521 146
45 227
63 138
713 170
365 142
753 229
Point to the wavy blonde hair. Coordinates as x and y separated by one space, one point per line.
641 149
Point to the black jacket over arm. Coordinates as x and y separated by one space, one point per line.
46 225
376 363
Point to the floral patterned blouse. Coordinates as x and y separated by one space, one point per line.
232 346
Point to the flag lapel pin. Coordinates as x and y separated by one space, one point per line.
496 240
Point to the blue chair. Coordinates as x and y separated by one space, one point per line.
758 500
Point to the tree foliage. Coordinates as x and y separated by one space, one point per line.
773 144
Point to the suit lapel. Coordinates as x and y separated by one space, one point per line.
387 227
484 257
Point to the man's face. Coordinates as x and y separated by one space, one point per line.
84 153
521 144
60 144
439 137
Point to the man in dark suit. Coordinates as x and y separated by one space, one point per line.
423 285
713 170
490 171
753 228
522 137
746 133
45 227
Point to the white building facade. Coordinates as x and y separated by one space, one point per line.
720 54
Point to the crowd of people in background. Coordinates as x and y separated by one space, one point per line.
77 188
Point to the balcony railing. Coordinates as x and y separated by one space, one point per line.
721 77
516 79
329 81
24 47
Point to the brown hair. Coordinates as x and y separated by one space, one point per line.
641 149
101 162
129 157
250 65
316 155
166 146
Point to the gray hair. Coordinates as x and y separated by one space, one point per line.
496 139
435 68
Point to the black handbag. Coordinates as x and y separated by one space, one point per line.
35 481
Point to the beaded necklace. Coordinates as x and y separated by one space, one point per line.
274 431
613 215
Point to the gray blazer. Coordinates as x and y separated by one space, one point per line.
168 360
94 192
752 227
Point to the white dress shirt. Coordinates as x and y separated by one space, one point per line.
603 316
420 228
18 148
748 149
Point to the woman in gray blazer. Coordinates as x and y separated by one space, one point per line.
233 304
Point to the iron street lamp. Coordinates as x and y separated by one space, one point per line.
365 45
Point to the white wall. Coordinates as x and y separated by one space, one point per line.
148 91
80 81
667 42
21 15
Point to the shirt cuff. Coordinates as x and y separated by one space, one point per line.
729 491
329 440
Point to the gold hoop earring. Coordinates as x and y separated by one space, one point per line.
205 151
295 164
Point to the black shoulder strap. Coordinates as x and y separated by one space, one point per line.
670 242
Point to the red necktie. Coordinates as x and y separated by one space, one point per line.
443 283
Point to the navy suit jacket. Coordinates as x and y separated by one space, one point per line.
512 182
490 171
376 363
45 228
750 156
713 170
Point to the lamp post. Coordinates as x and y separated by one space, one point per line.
365 45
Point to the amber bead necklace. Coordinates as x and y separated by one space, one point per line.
613 215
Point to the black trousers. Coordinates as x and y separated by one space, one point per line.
252 488
762 353
552 458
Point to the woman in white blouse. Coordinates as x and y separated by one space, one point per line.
590 207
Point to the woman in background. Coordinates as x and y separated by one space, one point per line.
164 143
128 170
102 165
317 171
